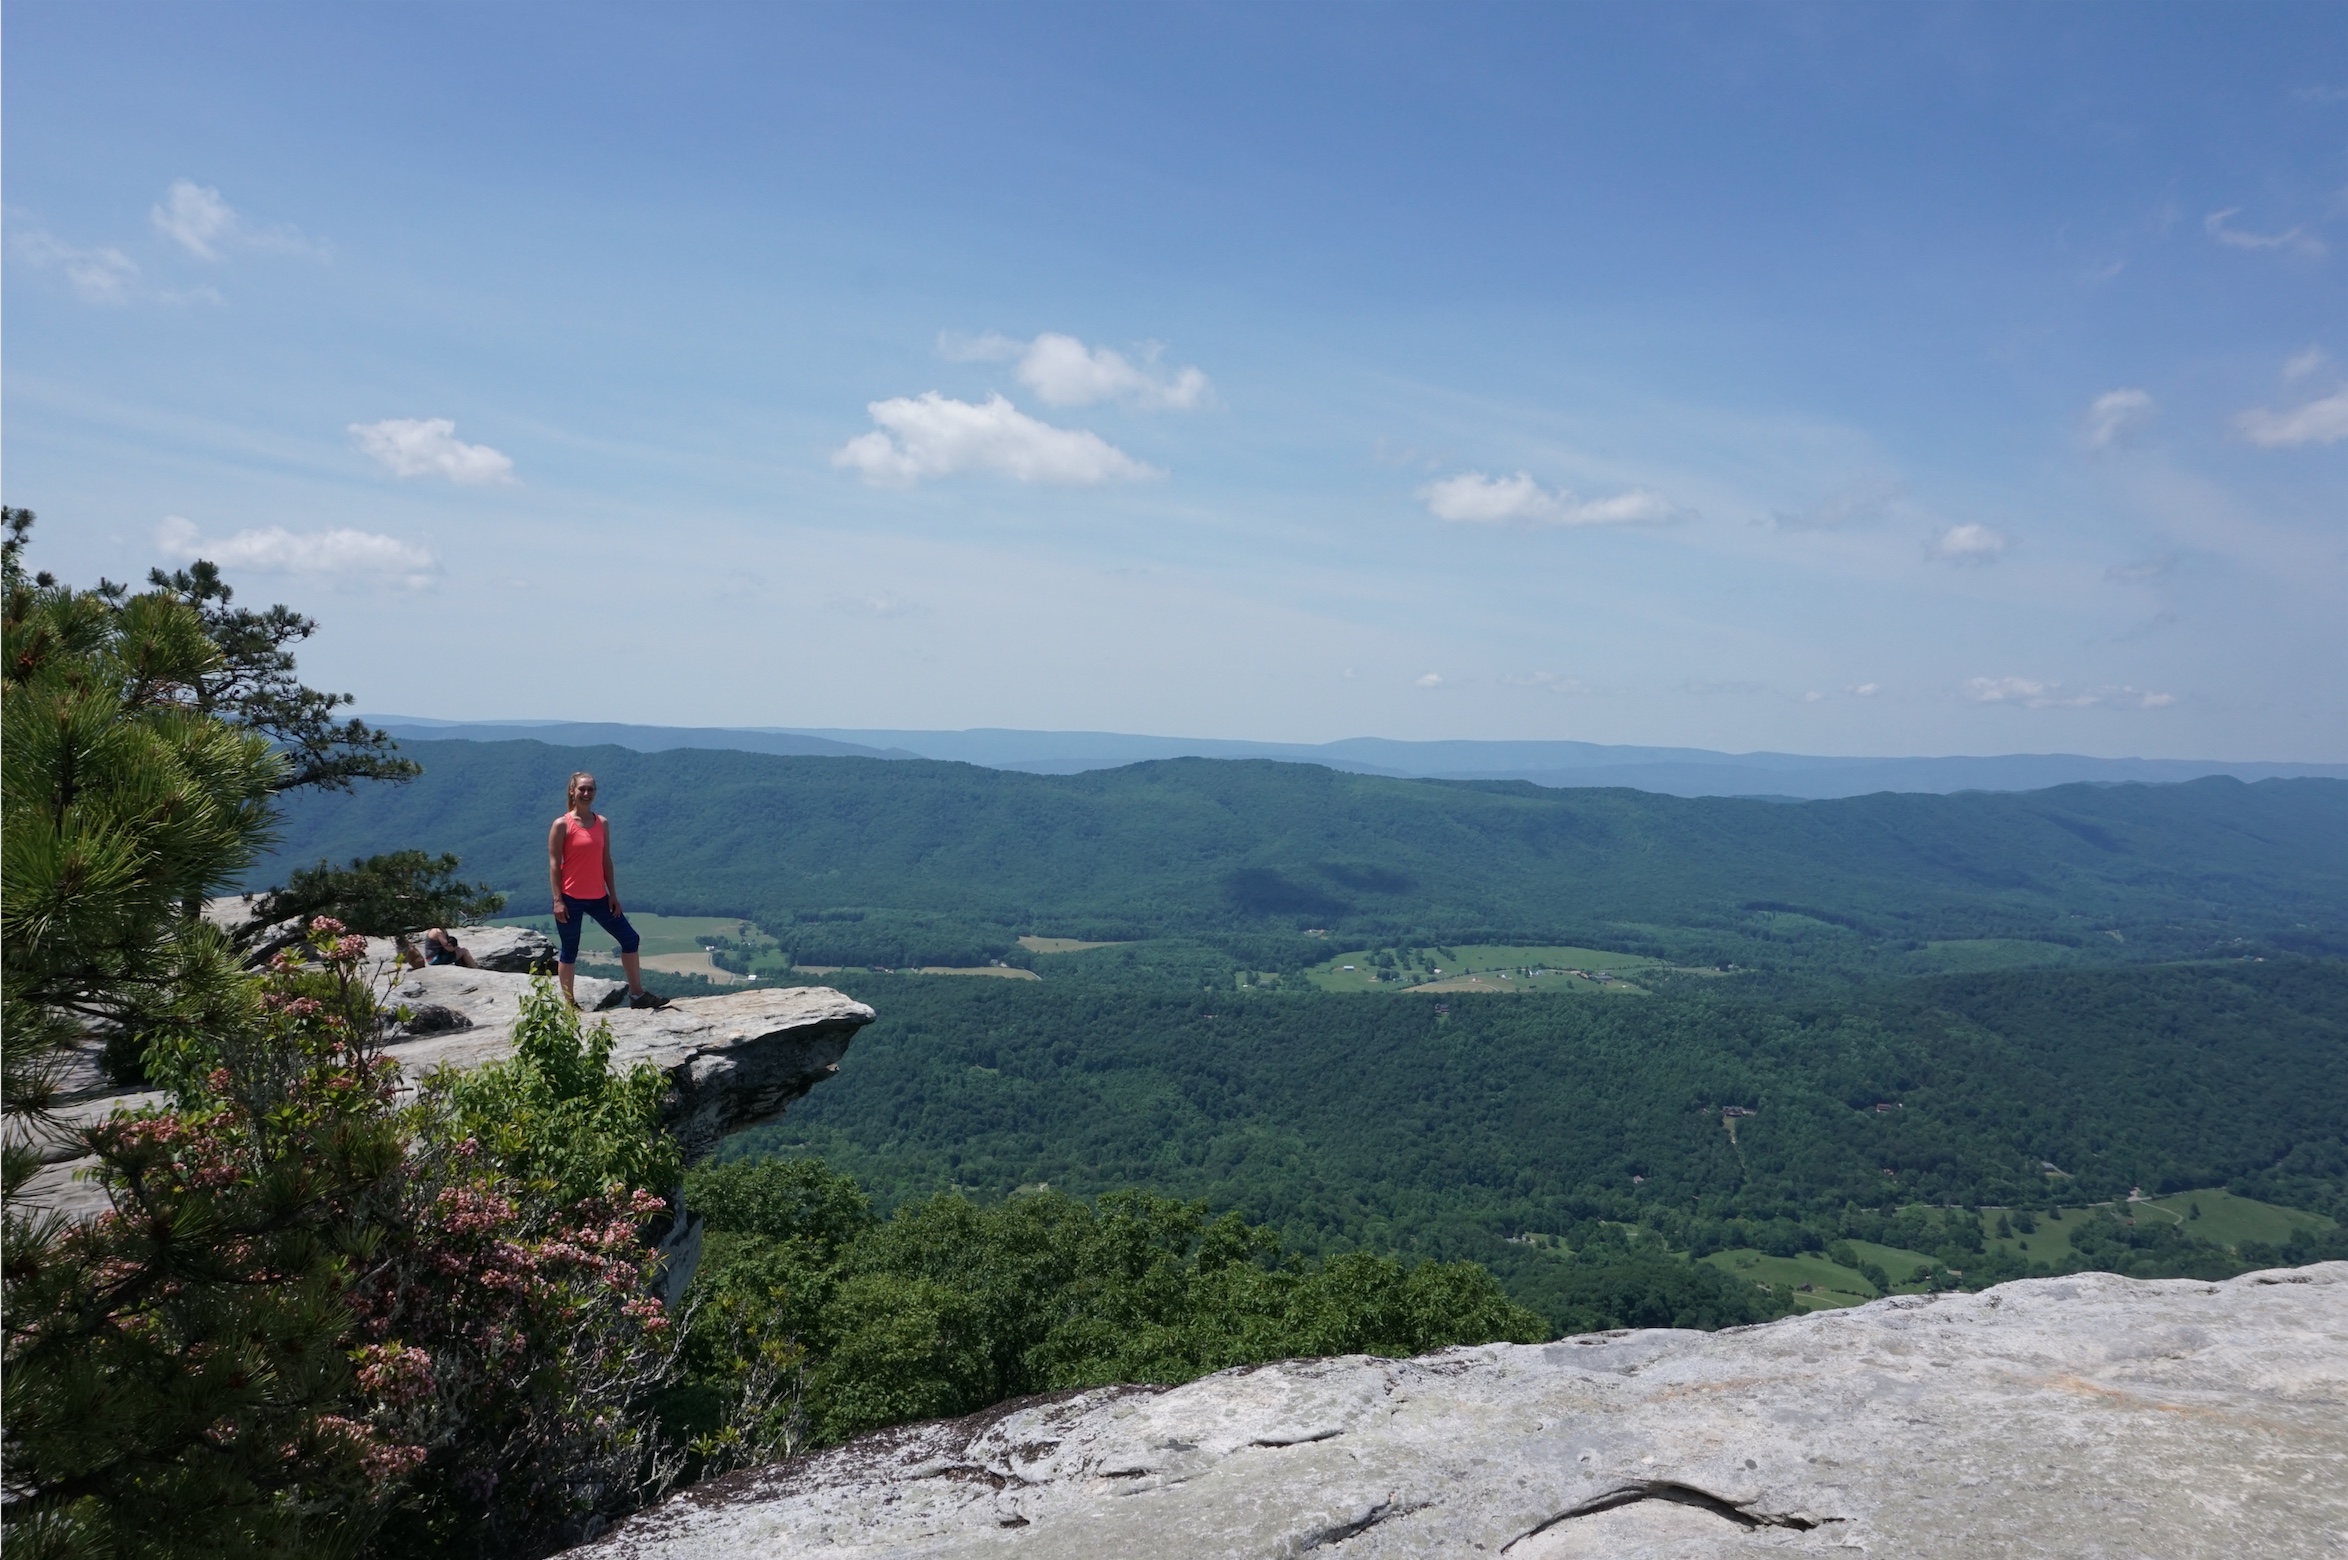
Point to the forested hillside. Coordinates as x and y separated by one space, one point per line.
1449 1129
852 860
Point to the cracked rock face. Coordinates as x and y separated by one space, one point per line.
2087 1416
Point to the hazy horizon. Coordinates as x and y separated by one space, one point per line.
1832 380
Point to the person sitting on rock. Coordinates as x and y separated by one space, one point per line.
441 947
579 872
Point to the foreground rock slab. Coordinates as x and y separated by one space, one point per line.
2075 1417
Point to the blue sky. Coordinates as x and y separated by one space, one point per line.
1858 379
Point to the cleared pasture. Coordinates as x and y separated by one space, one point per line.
1476 967
1063 945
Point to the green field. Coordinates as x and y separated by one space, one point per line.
1831 1284
1816 1283
662 934
2225 1219
1896 1261
1450 968
2230 1220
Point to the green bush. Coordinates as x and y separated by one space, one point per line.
555 1117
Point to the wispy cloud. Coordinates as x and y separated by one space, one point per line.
1971 543
2322 421
1549 682
1430 680
2115 416
345 555
429 447
2034 694
2219 225
1063 371
1865 503
194 217
957 346
1472 498
2142 572
924 437
101 274
2301 364
1866 690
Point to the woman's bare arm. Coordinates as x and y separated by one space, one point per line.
554 868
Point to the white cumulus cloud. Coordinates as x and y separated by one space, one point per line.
1063 371
342 554
2323 421
429 447
930 435
1969 543
1472 498
2115 415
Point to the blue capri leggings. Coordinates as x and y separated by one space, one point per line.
570 926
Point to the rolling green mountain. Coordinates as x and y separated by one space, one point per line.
852 860
2171 1016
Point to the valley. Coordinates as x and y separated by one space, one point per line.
1773 1032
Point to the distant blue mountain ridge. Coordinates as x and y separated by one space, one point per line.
1671 771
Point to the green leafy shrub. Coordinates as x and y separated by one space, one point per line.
556 1118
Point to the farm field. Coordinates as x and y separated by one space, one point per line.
1896 1261
2230 1220
2226 1219
1816 1283
1477 967
1830 1283
1063 945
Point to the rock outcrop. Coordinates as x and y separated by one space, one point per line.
732 1060
2087 1416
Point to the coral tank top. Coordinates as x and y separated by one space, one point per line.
583 857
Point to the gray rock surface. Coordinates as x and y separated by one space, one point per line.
2075 1417
732 1060
511 950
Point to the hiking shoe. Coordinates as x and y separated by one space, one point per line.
645 999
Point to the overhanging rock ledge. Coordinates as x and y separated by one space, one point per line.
732 1060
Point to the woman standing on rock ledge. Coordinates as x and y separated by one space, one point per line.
578 870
